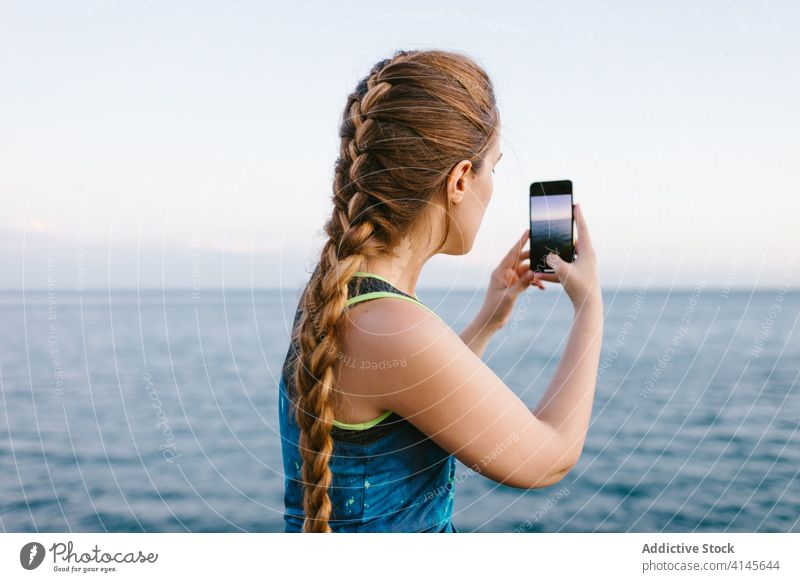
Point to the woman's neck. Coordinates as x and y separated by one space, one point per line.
402 274
404 262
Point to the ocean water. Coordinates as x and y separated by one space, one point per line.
150 411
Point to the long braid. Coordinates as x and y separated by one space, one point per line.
355 233
404 127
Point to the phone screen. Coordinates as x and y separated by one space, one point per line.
551 223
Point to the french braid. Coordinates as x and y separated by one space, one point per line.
406 124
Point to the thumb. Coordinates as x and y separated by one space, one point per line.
558 264
525 280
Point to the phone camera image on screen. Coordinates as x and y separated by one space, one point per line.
551 220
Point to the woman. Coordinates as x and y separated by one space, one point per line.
378 395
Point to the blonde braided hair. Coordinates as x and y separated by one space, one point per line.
407 124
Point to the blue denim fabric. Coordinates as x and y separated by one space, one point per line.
387 478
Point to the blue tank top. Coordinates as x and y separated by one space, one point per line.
387 476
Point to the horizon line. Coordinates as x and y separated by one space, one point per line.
426 288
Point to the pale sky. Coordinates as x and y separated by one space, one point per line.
551 207
180 143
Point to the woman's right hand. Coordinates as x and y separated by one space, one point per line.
579 277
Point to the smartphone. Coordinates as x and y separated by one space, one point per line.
552 223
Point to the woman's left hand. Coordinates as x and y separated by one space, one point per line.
511 277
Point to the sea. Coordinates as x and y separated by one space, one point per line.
551 235
156 411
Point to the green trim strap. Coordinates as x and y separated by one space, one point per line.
365 274
381 294
362 425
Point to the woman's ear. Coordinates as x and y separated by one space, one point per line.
457 181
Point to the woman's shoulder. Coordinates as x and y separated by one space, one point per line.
382 343
390 322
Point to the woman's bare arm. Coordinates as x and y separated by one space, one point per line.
453 397
447 392
477 336
567 404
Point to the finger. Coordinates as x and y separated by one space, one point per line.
534 276
584 240
549 277
523 264
525 280
516 250
539 264
531 279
